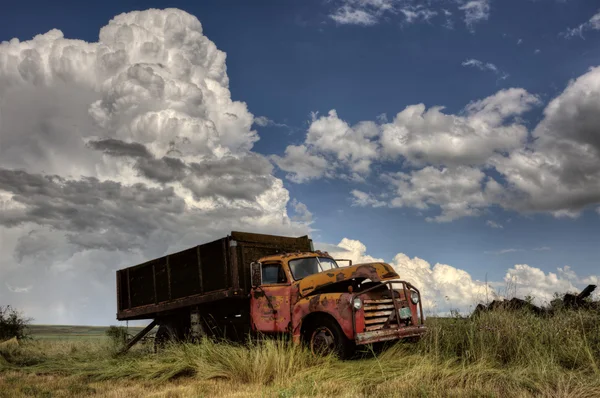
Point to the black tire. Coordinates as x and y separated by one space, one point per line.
324 336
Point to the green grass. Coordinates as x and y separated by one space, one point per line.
499 354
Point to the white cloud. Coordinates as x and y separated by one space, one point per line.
449 23
592 24
18 289
444 287
525 280
371 12
301 165
542 249
351 145
351 249
457 191
476 11
363 199
503 251
431 137
346 15
118 151
330 144
519 42
449 161
560 171
537 51
417 13
264 121
301 212
493 224
485 66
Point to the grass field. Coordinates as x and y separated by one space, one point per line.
65 332
499 354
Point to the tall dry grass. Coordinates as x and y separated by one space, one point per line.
497 354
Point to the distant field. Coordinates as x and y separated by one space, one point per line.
69 332
496 354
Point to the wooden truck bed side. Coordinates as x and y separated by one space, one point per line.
202 274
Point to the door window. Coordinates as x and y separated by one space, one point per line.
273 273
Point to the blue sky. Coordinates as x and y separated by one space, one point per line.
288 59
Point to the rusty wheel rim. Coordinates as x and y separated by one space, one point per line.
322 341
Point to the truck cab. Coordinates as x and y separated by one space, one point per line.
308 296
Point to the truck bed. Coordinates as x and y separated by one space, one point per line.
205 273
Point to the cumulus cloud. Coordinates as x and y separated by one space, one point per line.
117 151
363 199
331 143
457 192
351 145
560 171
482 156
301 212
445 287
301 165
592 24
428 136
525 280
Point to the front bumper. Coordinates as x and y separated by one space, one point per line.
389 334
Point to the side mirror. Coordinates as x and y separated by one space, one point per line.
256 274
342 259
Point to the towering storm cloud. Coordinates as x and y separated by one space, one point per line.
117 151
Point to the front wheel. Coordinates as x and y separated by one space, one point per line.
326 337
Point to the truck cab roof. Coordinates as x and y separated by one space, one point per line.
292 256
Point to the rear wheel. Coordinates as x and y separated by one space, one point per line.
168 332
324 336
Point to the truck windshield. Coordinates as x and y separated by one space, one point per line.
304 267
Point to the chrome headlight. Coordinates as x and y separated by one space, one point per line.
357 303
414 297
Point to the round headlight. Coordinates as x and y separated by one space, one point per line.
357 303
414 297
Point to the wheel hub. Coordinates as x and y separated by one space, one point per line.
322 341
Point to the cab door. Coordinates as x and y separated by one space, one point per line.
270 307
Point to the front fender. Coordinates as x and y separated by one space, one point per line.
338 305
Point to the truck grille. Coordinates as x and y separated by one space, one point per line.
378 311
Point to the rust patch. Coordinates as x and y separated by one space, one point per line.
313 303
376 272
344 309
390 334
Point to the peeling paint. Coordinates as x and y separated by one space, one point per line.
377 272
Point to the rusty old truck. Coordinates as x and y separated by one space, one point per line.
249 283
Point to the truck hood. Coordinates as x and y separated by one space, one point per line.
376 272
